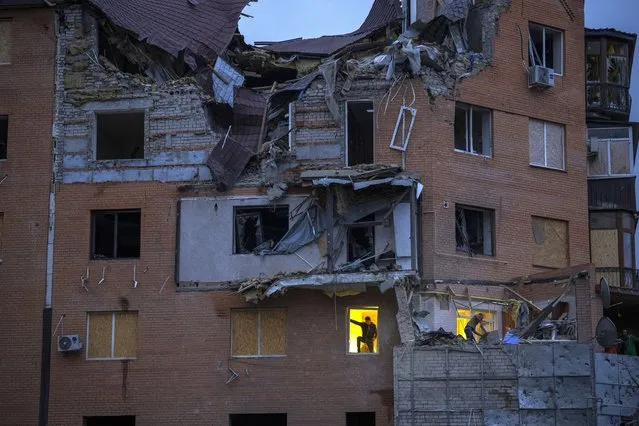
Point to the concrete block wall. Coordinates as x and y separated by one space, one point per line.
178 134
549 384
617 385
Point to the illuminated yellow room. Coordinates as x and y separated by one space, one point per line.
356 329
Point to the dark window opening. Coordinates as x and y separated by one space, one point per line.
545 47
360 133
4 136
258 419
116 234
120 136
474 230
361 240
110 421
472 129
259 228
111 52
360 419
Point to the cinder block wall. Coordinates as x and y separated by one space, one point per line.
26 96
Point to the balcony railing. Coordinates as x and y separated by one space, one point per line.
625 278
618 193
608 97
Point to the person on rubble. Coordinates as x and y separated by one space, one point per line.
369 334
472 325
628 343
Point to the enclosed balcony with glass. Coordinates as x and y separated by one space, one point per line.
608 67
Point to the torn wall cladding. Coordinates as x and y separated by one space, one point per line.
347 224
117 127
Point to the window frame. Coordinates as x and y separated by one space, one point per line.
493 229
259 332
545 28
92 254
99 112
113 315
563 145
9 21
348 322
609 142
257 207
468 109
5 118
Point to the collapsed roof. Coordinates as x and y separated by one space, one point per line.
196 28
382 13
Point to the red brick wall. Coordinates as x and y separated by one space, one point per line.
506 182
184 345
26 95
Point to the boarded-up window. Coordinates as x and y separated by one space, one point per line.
551 242
112 335
546 144
604 248
5 41
258 332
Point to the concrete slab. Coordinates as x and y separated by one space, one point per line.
572 359
572 417
608 420
536 392
537 417
573 392
76 177
100 176
121 105
74 161
609 399
606 369
501 417
535 361
72 145
628 368
317 151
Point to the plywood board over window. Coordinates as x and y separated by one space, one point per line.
258 332
604 247
5 41
112 335
551 242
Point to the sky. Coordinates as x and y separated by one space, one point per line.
276 20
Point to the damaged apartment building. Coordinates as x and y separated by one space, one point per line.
224 217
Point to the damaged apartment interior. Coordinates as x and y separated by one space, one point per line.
353 191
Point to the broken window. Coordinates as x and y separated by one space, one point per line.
116 234
593 62
617 63
5 41
361 240
109 421
472 129
4 136
545 47
546 144
120 135
112 335
258 419
612 152
258 332
362 330
551 242
474 230
259 227
360 419
359 133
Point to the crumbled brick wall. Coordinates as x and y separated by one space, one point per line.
178 135
26 96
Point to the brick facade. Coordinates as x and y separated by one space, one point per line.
26 96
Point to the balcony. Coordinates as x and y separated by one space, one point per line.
608 98
612 193
619 278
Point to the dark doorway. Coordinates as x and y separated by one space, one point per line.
360 133
110 421
258 419
360 419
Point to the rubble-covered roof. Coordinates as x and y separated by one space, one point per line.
382 13
200 28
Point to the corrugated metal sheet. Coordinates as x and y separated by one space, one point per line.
231 154
202 30
381 14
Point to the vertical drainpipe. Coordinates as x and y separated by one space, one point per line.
47 312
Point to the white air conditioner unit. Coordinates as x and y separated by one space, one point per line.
539 76
69 343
